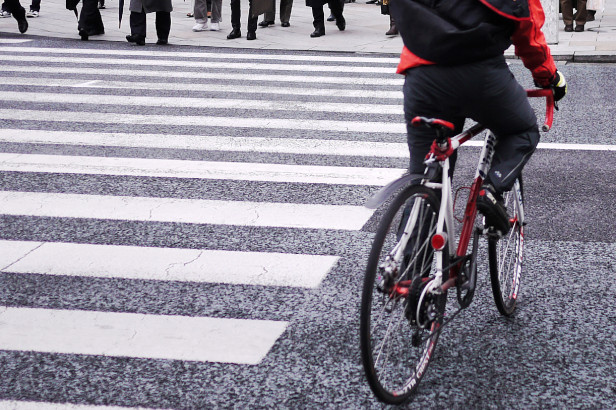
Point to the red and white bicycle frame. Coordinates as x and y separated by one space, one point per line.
445 222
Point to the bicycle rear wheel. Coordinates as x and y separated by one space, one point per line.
506 254
397 336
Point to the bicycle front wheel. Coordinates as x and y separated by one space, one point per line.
506 254
398 328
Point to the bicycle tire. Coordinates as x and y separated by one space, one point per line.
506 254
403 364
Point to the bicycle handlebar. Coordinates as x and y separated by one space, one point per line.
549 105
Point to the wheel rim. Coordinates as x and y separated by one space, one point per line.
396 365
509 252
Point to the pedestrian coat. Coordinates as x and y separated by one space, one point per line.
150 6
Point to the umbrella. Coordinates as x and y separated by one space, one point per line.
121 11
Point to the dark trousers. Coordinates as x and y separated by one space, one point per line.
90 18
138 24
36 5
566 7
285 12
318 17
236 15
484 91
14 7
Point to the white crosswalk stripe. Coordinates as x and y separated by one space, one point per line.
195 102
189 265
314 216
124 185
212 88
203 120
208 142
198 169
195 75
200 64
129 334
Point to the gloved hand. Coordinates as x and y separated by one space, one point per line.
559 85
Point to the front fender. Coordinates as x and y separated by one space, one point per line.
381 196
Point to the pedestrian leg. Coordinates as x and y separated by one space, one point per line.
137 28
252 23
216 15
318 21
236 15
285 12
336 7
19 14
163 26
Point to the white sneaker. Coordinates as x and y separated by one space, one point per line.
200 27
32 13
214 27
4 14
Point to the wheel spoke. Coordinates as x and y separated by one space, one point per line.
505 255
387 326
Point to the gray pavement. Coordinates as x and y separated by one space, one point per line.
365 31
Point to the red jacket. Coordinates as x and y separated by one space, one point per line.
529 42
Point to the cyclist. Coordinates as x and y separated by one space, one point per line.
453 60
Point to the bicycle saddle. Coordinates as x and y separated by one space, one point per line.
432 123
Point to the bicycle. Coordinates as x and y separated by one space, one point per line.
414 261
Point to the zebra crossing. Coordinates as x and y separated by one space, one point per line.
236 173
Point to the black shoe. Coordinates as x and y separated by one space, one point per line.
341 23
22 25
371 1
285 24
139 40
568 28
236 33
266 23
251 35
393 31
162 42
491 205
579 28
317 33
84 35
101 5
331 18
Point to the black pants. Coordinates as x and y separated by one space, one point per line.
90 18
285 12
138 24
236 15
318 17
14 7
486 92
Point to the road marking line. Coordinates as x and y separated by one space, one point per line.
300 146
13 41
559 146
195 211
175 168
273 78
202 121
38 405
211 88
203 55
202 339
201 103
168 264
226 65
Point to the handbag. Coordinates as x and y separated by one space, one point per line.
596 5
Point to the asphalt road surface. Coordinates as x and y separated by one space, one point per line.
183 228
